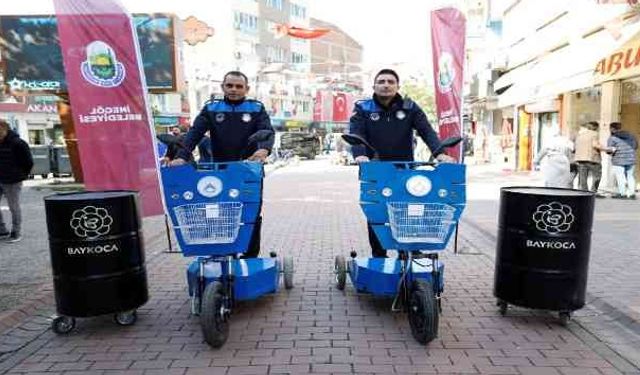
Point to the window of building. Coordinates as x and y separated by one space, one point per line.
247 23
277 4
298 58
36 137
276 54
298 11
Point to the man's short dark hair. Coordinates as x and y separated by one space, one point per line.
387 71
4 124
236 73
591 125
615 126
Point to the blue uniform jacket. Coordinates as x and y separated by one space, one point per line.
229 125
390 130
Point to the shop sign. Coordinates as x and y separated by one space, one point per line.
623 63
42 108
293 124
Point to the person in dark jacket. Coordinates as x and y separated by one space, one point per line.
230 122
622 147
176 144
387 122
15 165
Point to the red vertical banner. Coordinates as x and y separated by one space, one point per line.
447 40
317 107
108 95
340 112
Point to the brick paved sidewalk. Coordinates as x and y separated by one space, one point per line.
315 328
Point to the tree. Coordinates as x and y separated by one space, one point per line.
423 96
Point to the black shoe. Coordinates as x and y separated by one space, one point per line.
618 196
632 196
14 237
4 234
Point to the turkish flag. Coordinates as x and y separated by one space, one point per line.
340 107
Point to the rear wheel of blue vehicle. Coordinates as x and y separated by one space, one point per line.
340 268
423 312
287 270
213 315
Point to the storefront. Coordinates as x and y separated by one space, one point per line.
579 107
36 119
619 76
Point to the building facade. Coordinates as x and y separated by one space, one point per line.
249 37
560 65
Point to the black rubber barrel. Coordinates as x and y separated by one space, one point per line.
544 241
97 253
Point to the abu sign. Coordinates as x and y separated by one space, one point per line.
622 63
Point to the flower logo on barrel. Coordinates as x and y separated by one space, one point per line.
91 222
553 217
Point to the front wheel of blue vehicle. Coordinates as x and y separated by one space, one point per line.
213 315
423 312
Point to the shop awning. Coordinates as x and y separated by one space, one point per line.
567 69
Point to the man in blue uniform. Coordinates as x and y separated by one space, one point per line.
230 122
387 122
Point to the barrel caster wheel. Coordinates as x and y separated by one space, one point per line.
287 270
340 268
503 307
63 324
125 318
565 317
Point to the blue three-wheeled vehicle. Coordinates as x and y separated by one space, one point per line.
413 207
214 208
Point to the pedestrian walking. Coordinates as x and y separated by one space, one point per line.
622 147
387 122
553 160
16 163
587 156
230 122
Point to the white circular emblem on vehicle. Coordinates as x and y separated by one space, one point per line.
246 117
219 117
400 115
209 186
418 185
374 116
